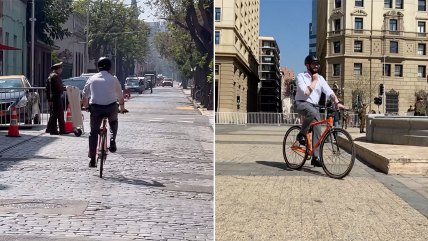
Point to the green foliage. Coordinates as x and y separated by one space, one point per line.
110 19
50 15
178 46
55 58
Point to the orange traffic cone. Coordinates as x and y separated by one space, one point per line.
69 121
13 127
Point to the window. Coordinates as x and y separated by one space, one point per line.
393 47
358 68
338 3
422 49
337 24
399 4
217 70
388 3
217 14
421 27
393 24
217 37
359 3
422 5
422 70
358 46
386 70
359 23
336 69
399 70
336 47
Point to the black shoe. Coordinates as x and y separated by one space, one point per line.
54 133
301 139
316 162
112 147
92 163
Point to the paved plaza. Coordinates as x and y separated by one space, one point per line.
157 186
259 198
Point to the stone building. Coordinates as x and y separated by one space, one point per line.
363 43
236 55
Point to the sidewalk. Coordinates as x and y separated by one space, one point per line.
202 111
259 198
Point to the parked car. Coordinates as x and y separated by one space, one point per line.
167 82
24 98
134 84
78 82
87 75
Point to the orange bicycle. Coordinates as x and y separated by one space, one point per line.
331 144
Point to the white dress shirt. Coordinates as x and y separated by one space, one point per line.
102 89
303 81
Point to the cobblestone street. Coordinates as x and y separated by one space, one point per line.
259 198
157 186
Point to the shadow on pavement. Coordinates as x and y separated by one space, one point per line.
279 165
133 181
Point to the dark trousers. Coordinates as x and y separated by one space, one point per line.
311 114
57 115
98 113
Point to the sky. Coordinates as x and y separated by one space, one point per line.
147 15
288 22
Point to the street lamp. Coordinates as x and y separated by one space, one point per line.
384 73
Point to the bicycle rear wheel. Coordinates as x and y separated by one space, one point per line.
103 152
337 153
294 154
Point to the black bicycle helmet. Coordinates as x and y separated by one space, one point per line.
104 63
311 58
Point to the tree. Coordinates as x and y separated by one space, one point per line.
130 32
364 86
196 18
50 16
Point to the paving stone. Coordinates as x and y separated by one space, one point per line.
154 182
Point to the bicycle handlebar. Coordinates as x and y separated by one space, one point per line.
329 108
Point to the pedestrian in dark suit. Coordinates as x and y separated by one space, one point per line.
56 88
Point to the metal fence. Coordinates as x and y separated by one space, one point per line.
30 104
258 118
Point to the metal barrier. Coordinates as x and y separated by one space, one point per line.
31 106
258 118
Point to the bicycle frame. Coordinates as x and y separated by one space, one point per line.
311 149
103 130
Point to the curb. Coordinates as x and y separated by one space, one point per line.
194 106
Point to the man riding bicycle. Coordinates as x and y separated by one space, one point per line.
104 90
309 87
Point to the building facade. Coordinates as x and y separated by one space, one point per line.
363 43
270 76
14 34
72 49
287 96
236 55
313 29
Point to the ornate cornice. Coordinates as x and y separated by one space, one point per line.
393 13
359 12
336 13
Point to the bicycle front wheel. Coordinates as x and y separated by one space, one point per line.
103 152
337 152
294 154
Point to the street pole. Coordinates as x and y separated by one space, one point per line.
115 56
383 94
33 7
87 38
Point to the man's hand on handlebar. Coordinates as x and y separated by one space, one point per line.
123 111
340 106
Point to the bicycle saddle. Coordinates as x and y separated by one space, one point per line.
104 115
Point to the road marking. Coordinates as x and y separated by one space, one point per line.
187 118
155 120
158 118
186 121
184 108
